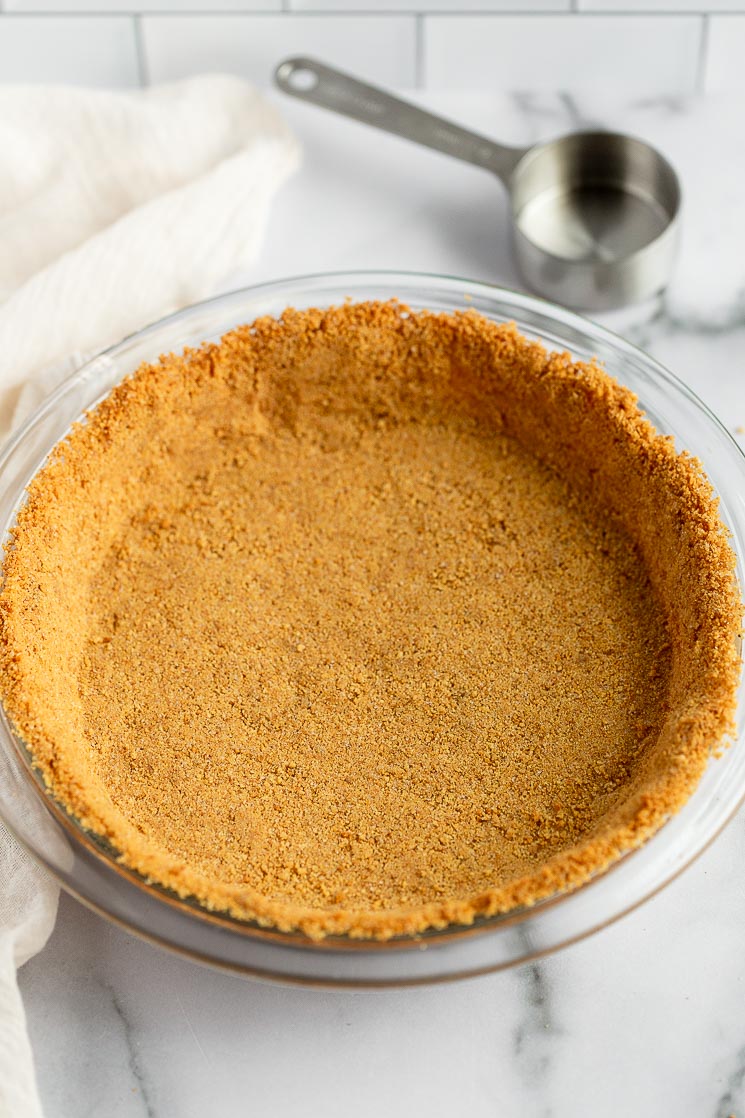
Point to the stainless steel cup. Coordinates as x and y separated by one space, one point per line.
595 215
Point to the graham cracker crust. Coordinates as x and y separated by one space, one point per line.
367 621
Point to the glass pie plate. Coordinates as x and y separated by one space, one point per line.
88 869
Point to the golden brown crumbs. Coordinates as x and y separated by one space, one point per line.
366 621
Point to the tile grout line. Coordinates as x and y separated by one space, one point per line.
142 66
419 51
336 13
703 54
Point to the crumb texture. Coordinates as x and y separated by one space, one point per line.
366 621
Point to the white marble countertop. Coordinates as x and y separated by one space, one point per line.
643 1019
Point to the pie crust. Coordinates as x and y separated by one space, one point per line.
367 621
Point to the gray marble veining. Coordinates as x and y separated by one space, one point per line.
135 1071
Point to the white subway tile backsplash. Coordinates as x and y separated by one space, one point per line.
107 7
78 50
629 48
726 50
631 55
379 48
660 5
422 6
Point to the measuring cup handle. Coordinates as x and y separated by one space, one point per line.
321 85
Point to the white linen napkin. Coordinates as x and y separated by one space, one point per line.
115 208
28 907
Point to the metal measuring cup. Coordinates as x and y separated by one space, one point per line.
594 214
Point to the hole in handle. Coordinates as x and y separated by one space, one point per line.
301 79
